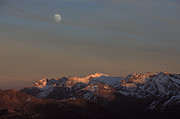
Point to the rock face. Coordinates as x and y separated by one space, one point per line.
65 88
148 85
18 105
160 90
98 96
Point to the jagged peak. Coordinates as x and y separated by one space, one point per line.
138 78
41 83
43 79
147 74
98 75
162 72
87 78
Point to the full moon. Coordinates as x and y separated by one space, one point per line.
57 18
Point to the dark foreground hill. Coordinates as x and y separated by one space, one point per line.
18 105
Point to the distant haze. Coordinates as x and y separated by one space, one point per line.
115 37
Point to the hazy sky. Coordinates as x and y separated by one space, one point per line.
116 37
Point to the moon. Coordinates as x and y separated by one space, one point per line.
57 18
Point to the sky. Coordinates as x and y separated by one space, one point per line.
115 37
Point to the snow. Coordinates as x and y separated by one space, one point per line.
173 98
45 91
97 75
130 85
41 83
87 95
107 80
91 88
105 86
176 81
79 85
75 80
124 93
28 99
138 85
153 105
160 86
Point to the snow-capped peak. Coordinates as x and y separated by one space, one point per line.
41 83
98 75
85 80
149 84
160 88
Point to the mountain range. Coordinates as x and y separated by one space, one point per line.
96 96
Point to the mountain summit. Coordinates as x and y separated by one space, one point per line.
96 96
161 89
